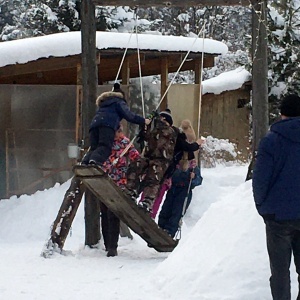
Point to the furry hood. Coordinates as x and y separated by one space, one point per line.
106 95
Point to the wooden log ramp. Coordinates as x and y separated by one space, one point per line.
95 180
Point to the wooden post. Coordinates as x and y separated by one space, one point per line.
125 72
259 72
78 124
89 65
92 219
197 71
89 91
164 82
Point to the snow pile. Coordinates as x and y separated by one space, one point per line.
221 256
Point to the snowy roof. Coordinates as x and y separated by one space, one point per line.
69 43
227 81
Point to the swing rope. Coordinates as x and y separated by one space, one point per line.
200 92
178 233
183 61
141 85
139 63
172 81
125 52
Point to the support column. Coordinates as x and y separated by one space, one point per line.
89 65
78 122
164 82
89 92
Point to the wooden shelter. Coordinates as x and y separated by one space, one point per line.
41 107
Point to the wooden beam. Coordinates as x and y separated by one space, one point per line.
197 71
164 82
125 72
176 3
40 65
107 71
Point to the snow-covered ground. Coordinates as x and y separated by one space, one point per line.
222 253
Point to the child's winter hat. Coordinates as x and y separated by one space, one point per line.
167 115
117 88
290 106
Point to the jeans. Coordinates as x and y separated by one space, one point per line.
283 240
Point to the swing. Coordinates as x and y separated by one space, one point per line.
104 189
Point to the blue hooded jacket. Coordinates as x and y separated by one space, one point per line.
276 175
112 108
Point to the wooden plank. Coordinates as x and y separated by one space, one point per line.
176 3
40 65
62 224
124 208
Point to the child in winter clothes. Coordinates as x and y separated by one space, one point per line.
174 206
116 166
185 144
161 139
112 108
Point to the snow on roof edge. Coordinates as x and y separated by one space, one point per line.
69 43
227 81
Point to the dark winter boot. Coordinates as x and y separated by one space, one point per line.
146 204
131 193
112 252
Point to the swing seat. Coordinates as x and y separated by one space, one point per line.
104 188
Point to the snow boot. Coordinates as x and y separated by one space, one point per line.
112 252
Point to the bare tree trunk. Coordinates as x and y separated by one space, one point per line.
260 110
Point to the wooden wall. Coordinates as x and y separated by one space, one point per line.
223 116
227 116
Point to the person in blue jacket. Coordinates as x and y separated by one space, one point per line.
174 206
276 191
112 108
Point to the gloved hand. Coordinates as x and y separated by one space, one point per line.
153 114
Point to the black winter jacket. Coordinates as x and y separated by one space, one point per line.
112 108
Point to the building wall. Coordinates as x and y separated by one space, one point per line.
183 100
223 116
37 124
227 116
36 136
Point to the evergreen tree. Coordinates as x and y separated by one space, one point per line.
284 41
